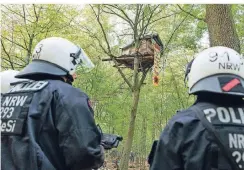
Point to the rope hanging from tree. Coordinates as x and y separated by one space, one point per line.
157 52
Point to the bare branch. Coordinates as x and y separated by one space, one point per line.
4 67
50 20
10 61
172 35
15 12
36 15
148 21
101 26
24 17
194 16
23 38
124 13
144 75
12 36
108 51
167 16
20 60
137 35
125 18
175 30
176 87
14 42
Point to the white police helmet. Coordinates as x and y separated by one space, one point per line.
7 79
218 70
55 56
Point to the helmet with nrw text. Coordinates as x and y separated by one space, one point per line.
217 70
57 57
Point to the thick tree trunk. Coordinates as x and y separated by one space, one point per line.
221 27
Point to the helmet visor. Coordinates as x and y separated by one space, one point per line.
85 63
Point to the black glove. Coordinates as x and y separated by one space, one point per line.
109 141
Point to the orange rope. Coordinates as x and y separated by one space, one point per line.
156 64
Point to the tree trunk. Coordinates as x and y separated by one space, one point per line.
128 144
154 125
221 27
136 93
144 141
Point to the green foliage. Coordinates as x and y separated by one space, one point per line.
23 26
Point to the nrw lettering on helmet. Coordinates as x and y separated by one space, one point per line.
209 65
226 63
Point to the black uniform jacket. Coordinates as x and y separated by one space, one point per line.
185 144
48 125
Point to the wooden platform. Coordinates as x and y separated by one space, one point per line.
149 46
127 61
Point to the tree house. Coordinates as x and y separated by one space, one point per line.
150 47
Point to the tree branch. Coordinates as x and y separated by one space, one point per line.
14 42
125 18
23 38
194 16
172 35
166 16
36 15
24 17
148 21
124 13
144 75
11 63
176 87
50 20
15 12
175 30
108 47
101 26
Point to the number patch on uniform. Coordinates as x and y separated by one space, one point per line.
236 145
14 111
230 123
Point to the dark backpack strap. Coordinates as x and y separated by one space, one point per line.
210 128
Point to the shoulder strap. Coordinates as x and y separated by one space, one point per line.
211 129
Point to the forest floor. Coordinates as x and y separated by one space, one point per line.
132 166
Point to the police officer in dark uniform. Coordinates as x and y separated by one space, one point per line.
216 77
46 124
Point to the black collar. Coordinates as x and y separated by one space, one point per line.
219 99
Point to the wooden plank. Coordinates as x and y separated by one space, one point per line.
132 58
107 59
